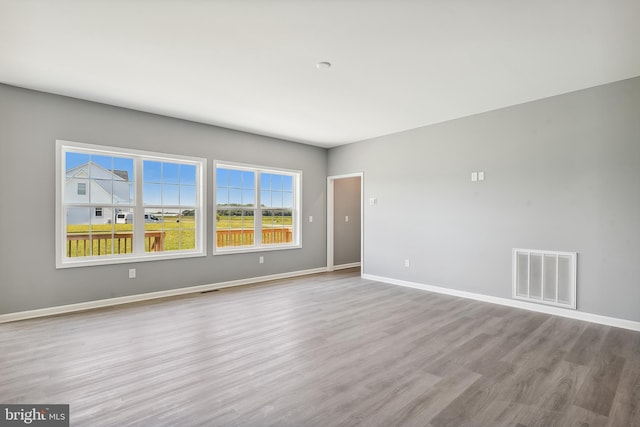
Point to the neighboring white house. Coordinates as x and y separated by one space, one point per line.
91 183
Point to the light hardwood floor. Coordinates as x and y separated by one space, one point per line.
323 350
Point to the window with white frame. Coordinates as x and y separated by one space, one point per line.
257 208
145 205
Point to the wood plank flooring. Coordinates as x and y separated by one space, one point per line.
324 350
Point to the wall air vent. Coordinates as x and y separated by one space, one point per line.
546 277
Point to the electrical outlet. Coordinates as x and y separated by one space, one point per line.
474 176
132 273
310 218
407 263
480 176
261 260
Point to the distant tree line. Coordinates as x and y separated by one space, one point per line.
249 210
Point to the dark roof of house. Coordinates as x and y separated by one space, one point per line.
122 174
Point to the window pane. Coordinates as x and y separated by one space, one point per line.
276 199
188 174
105 185
248 198
188 230
187 195
170 173
287 200
265 181
75 191
152 171
172 218
124 220
287 183
88 234
222 177
234 228
265 198
274 202
123 231
122 192
152 194
170 194
235 178
78 242
276 228
276 182
154 235
74 162
188 219
101 167
222 196
287 218
78 220
235 197
248 180
101 191
123 169
223 219
188 239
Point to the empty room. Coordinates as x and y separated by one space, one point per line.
320 213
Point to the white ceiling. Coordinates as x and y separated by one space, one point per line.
251 64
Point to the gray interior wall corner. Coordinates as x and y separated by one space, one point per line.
562 173
31 122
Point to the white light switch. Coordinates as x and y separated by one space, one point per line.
373 201
346 218
132 273
474 176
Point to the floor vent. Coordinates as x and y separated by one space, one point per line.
545 277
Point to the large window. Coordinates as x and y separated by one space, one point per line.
117 205
257 208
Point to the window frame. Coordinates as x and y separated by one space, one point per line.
296 214
138 206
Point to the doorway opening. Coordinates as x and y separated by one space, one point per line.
345 222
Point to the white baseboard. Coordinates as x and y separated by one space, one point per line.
345 266
89 305
557 311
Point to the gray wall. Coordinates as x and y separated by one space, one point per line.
346 235
562 173
30 123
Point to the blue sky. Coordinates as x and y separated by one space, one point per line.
238 187
174 184
164 183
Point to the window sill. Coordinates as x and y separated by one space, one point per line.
109 260
240 250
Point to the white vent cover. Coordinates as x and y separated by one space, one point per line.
546 277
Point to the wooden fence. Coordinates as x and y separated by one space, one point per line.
97 244
106 243
239 237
